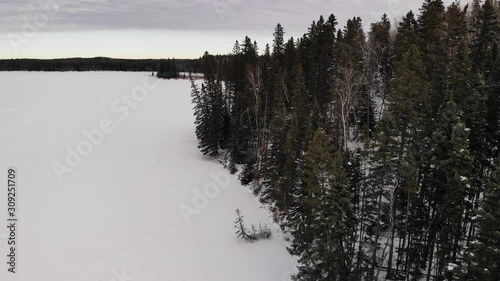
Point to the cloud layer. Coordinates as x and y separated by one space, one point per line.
192 15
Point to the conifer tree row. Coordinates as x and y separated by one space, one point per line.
376 151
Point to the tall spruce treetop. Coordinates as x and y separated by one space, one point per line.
455 27
380 33
290 62
474 17
267 51
316 54
406 36
461 80
430 11
352 44
331 23
279 44
486 35
434 50
236 48
249 52
409 102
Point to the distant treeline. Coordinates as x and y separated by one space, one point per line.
96 64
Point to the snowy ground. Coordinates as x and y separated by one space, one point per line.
111 212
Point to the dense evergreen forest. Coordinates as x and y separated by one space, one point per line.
168 69
99 64
378 152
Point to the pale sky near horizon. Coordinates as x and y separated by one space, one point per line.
167 28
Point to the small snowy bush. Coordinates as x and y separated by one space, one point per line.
254 234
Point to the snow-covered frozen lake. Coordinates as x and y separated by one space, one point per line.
105 163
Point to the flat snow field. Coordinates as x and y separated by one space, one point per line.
105 161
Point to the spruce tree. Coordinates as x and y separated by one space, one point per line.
485 36
493 109
416 179
279 45
465 86
383 180
276 161
324 233
434 51
210 111
409 109
379 72
409 104
453 170
318 57
296 140
406 36
484 252
241 231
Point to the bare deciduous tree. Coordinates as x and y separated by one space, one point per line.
347 90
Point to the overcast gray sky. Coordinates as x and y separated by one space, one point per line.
166 28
